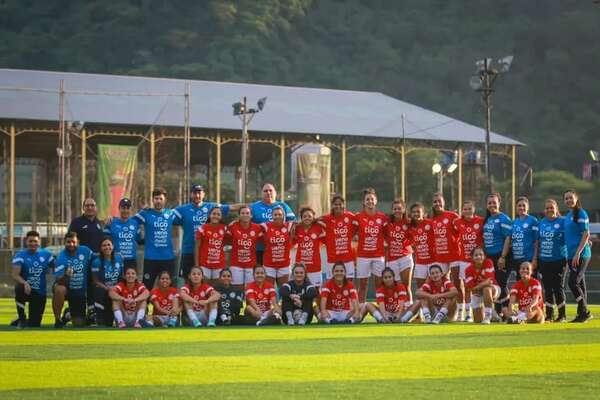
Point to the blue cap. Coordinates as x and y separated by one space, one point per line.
125 202
197 188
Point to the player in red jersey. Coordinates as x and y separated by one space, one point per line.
370 254
165 300
243 235
393 302
421 237
444 235
480 281
339 300
399 250
438 294
261 299
308 236
210 243
129 300
469 229
278 243
527 293
339 231
199 300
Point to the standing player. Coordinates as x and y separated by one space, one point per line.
125 233
231 301
393 302
30 267
165 299
244 236
523 241
421 237
261 300
370 255
469 229
339 231
262 212
309 235
579 252
553 260
129 301
527 293
438 294
399 251
339 300
107 271
158 231
278 242
210 243
199 300
297 297
72 273
480 280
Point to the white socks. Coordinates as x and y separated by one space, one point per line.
118 316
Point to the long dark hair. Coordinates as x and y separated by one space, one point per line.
577 206
345 272
112 253
403 204
488 214
334 198
386 270
306 281
413 222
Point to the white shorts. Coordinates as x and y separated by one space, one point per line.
399 265
365 267
211 273
463 267
202 317
241 276
339 316
129 318
277 272
349 269
477 301
316 278
421 271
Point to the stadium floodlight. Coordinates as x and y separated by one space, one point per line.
505 63
452 167
595 155
436 168
261 103
476 82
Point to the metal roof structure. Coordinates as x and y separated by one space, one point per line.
143 101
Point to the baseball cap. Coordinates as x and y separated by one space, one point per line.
197 188
125 202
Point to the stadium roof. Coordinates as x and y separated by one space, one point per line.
128 100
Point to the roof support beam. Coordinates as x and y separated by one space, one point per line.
343 151
12 188
282 167
460 178
152 163
83 164
514 181
218 169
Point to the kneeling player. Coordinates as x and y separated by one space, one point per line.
165 300
339 299
261 300
129 300
393 303
480 280
527 293
199 300
437 294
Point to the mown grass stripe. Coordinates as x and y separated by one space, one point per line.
293 368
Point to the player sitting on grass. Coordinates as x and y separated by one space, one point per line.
165 300
129 300
261 300
527 293
199 300
437 294
232 299
339 299
393 303
480 280
297 297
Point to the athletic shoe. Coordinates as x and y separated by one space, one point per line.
277 316
172 322
137 324
587 316
468 318
197 324
66 317
122 325
21 324
439 317
58 325
211 324
14 322
145 324
486 321
560 319
578 318
290 322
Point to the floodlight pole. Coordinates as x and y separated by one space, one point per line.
245 142
486 94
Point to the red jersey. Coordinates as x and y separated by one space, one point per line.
262 295
122 290
470 235
243 244
397 238
526 293
309 246
370 234
445 285
201 292
444 237
212 254
277 245
474 276
339 231
421 238
338 298
164 299
393 298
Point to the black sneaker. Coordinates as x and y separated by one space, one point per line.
586 317
14 322
21 324
578 318
66 317
549 318
58 325
560 319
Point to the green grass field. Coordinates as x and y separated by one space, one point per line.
463 361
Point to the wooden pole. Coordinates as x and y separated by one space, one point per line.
514 181
460 178
218 169
152 162
12 188
83 165
403 172
282 168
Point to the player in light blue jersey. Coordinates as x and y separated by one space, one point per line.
579 252
72 272
158 237
553 260
125 233
262 212
30 267
107 269
496 233
523 240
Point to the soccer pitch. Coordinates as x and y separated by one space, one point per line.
552 361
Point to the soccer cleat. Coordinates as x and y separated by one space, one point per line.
560 319
145 324
172 322
587 316
468 318
577 319
58 325
197 323
21 324
211 324
290 322
122 325
137 324
439 317
66 317
486 321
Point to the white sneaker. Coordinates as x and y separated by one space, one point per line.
486 321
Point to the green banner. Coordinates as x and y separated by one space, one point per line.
116 167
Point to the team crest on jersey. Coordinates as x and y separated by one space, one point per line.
266 291
525 225
313 236
221 232
204 209
232 295
117 265
81 257
427 227
345 293
41 259
166 214
252 233
556 226
202 293
497 221
405 227
476 226
378 220
306 238
283 230
346 220
445 220
98 226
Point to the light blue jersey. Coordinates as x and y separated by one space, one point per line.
158 232
573 233
525 232
552 239
34 267
106 271
495 230
125 235
80 263
192 217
